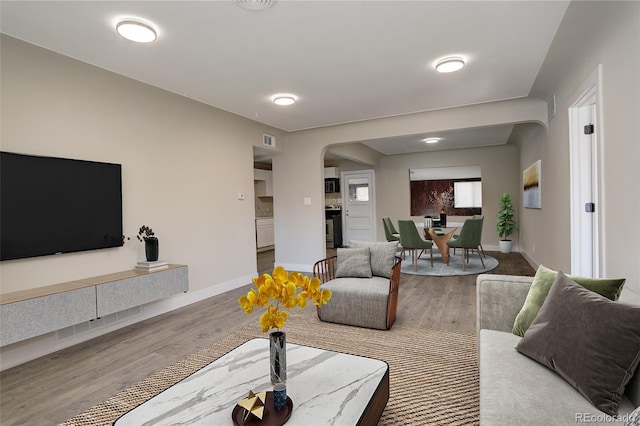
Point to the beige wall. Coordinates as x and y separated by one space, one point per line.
183 165
531 140
591 33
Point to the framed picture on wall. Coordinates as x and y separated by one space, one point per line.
531 186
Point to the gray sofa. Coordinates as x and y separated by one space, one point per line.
514 389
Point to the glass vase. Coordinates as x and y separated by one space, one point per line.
443 219
278 356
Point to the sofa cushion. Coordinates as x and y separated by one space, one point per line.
592 342
382 256
354 262
515 390
540 286
357 301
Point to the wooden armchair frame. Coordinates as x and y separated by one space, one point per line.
325 270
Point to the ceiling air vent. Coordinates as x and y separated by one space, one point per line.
268 140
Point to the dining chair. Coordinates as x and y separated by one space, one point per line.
392 234
390 230
469 239
411 240
475 216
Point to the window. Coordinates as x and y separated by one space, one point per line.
465 183
358 190
467 194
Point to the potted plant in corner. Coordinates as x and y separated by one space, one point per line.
151 248
506 223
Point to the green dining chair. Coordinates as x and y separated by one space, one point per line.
411 240
469 239
391 233
390 230
475 216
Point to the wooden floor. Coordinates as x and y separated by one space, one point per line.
54 388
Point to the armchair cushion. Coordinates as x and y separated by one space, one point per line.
358 302
592 342
544 278
354 262
382 256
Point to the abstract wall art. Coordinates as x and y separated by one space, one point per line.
531 186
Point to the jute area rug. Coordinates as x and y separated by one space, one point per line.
434 378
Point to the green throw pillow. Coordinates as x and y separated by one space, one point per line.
609 288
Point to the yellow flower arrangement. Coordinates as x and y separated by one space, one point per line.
285 290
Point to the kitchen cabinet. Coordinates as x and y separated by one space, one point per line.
331 173
264 232
263 180
331 180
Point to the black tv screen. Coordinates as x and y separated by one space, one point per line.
56 205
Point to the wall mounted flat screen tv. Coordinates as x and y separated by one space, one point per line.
56 205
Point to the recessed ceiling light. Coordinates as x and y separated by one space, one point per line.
136 31
431 140
451 64
284 100
255 5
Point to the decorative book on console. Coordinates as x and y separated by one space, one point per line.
152 266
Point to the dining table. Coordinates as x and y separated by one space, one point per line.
441 240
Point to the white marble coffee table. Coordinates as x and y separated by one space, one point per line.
326 388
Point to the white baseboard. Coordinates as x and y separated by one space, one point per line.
491 247
21 352
530 260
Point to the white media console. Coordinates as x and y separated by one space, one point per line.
31 313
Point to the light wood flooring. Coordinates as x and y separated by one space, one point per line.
56 387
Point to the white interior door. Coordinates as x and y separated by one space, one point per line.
358 206
586 206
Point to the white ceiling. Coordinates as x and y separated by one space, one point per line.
345 60
467 138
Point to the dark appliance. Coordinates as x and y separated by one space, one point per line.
331 185
333 226
56 205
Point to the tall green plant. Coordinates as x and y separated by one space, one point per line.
506 222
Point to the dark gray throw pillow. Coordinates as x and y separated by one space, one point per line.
591 341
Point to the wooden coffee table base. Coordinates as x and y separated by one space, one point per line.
377 404
441 242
